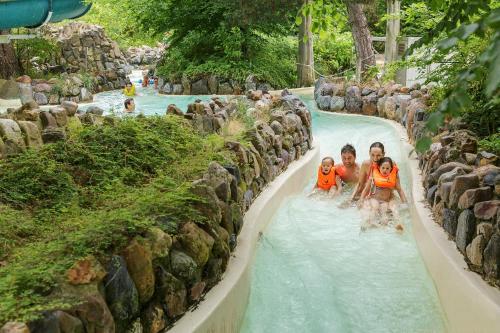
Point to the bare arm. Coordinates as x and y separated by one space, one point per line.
400 191
338 180
363 174
366 190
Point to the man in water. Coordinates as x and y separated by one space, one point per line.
129 105
349 169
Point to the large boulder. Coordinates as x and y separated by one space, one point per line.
460 185
353 101
199 87
450 221
370 104
139 261
57 322
12 137
9 89
121 293
14 327
337 103
196 242
153 318
220 180
475 251
491 258
95 315
208 207
470 197
324 102
53 134
172 292
486 210
31 133
434 176
184 267
465 229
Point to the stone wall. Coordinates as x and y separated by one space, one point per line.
158 276
211 85
145 55
462 184
85 47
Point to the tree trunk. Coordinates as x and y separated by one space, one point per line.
365 57
305 63
392 31
8 61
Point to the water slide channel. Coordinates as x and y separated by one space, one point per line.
314 271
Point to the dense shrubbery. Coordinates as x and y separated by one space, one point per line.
273 60
89 195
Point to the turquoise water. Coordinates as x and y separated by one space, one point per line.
148 101
315 271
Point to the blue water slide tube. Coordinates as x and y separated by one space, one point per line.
34 13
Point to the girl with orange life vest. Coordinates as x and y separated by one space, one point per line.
379 192
327 180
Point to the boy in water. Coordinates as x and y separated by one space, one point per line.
327 180
129 105
379 192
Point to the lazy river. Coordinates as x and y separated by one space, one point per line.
314 271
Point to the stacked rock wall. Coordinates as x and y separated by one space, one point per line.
211 85
85 47
145 55
462 184
158 276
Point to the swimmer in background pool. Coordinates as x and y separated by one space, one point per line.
129 105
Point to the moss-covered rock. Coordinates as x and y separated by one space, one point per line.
196 242
140 266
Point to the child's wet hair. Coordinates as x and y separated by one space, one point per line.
127 102
385 159
328 158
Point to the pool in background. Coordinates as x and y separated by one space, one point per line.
148 101
315 271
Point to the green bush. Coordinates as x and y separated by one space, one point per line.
491 144
272 60
333 53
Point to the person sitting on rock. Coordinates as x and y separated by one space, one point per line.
379 195
327 180
129 89
129 105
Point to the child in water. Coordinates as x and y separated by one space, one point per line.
327 180
379 193
129 89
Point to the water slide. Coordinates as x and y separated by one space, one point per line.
35 13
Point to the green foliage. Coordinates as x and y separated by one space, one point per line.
34 180
333 52
491 144
230 39
89 196
120 23
42 48
273 59
417 18
468 40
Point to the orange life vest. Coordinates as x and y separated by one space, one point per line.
325 182
341 171
385 181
